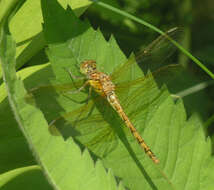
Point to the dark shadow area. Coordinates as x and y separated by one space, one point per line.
68 25
33 179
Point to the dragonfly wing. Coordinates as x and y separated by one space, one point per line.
91 128
53 99
148 82
60 88
157 53
153 57
87 126
128 71
143 99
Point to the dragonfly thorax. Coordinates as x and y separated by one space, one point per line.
88 67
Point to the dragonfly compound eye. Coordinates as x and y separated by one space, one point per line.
87 66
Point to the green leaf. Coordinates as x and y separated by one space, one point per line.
5 7
180 144
26 27
18 154
54 155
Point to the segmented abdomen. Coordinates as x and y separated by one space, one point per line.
113 100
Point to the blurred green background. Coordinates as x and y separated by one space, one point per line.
196 20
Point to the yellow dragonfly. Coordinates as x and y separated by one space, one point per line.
112 97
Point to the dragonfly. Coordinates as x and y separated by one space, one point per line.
110 94
103 85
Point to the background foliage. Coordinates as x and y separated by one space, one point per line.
18 167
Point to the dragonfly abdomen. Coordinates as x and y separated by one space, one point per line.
113 100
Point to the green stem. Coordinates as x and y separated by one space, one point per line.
127 15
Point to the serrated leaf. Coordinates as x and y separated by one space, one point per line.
161 122
14 150
26 27
180 144
53 154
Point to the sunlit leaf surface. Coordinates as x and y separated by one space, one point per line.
95 125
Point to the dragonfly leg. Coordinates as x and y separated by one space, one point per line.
73 76
91 110
88 98
78 118
83 101
89 94
80 89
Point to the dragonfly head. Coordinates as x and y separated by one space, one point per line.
88 67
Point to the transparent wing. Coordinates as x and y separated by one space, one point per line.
147 83
81 120
88 127
55 99
142 96
88 123
157 53
153 57
57 87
